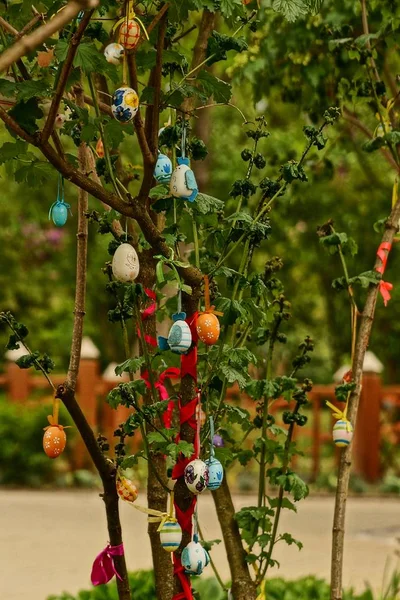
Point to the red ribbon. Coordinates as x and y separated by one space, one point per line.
170 373
384 286
179 571
103 568
189 360
148 312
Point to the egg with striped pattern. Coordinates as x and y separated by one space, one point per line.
342 433
171 536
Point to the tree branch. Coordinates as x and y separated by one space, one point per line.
364 332
29 43
65 71
148 157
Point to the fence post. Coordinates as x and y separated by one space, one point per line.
86 391
367 438
17 379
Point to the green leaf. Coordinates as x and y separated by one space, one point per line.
26 113
212 86
35 174
160 191
31 89
219 44
374 144
232 375
61 50
10 150
130 366
286 537
8 88
207 204
290 9
113 134
228 7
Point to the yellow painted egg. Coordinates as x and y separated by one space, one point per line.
54 441
208 328
126 489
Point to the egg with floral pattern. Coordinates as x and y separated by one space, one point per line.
196 476
208 328
113 53
54 441
124 104
126 489
129 34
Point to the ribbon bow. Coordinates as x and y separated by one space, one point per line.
340 415
131 15
103 567
170 373
385 288
157 516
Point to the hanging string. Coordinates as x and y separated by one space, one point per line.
212 449
183 148
179 301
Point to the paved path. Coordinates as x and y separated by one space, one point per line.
48 540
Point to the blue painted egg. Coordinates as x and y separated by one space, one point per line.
215 473
194 558
342 433
124 104
59 213
171 536
180 337
163 169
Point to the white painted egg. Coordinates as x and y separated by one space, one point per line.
196 476
342 433
125 263
124 104
171 536
215 473
194 558
129 34
177 185
113 53
59 121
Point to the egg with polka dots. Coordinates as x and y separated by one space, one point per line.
54 441
208 328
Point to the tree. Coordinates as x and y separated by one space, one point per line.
147 217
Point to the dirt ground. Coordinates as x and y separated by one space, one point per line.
48 540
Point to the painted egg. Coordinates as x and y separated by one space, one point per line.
113 53
59 213
126 489
124 104
129 34
194 558
218 441
171 536
196 476
125 263
342 433
183 183
59 121
208 328
200 414
100 148
54 441
180 337
215 473
163 169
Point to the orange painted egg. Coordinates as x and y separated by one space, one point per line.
100 148
208 328
129 34
200 414
126 489
54 441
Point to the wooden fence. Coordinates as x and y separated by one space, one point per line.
92 388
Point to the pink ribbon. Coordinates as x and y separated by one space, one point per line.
103 567
170 373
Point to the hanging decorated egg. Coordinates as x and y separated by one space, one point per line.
218 441
179 337
196 476
171 536
59 121
163 169
59 212
215 473
129 34
183 182
208 328
100 148
54 440
126 489
200 414
113 53
342 433
124 104
125 263
194 558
